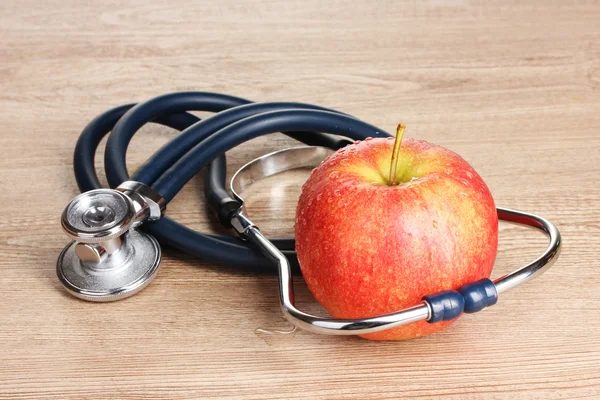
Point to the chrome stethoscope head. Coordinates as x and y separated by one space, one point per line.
109 259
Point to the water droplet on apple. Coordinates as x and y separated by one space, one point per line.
463 193
464 182
334 175
368 139
469 175
319 196
337 193
344 161
448 171
356 141
435 224
330 200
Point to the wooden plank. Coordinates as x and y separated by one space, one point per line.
512 86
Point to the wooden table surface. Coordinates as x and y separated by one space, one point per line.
512 86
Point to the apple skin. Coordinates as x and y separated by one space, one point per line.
367 248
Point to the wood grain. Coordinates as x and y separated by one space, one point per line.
513 86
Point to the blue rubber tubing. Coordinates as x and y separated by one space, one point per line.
203 144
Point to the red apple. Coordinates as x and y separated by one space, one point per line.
369 247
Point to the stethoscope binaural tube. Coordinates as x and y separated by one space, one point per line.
442 306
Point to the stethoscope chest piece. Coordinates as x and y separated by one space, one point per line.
109 259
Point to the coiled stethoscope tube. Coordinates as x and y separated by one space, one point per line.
177 162
111 259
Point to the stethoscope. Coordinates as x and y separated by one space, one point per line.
116 232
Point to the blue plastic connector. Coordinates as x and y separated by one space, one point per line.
479 295
445 305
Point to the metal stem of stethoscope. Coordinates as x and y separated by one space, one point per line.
292 158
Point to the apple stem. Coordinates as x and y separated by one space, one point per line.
393 181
